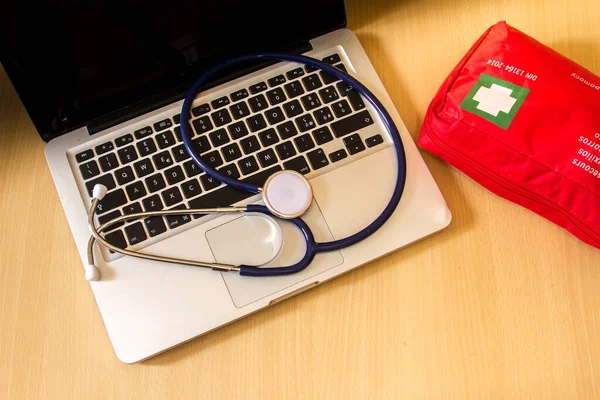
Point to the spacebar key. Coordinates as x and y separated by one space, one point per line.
227 195
352 123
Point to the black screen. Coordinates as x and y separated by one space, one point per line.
76 61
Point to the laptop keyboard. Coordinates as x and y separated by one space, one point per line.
282 122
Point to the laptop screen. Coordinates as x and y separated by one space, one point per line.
73 61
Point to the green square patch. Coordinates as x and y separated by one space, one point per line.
495 100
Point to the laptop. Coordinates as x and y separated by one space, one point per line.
104 83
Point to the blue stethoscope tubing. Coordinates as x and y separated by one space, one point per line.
312 247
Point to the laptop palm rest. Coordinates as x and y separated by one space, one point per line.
245 290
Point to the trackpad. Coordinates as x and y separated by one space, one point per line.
227 244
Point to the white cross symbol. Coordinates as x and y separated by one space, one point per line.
495 99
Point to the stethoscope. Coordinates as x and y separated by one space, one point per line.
286 194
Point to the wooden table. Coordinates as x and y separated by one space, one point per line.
503 304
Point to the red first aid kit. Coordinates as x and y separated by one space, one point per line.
524 122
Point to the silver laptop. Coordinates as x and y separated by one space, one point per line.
104 87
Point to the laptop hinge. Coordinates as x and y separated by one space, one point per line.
175 94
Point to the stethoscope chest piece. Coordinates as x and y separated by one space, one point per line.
287 194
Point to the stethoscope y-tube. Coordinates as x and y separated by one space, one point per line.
288 181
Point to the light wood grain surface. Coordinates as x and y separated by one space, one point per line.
503 304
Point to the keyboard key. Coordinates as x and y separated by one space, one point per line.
218 137
209 183
344 88
175 221
323 115
239 95
294 89
328 78
352 123
256 122
165 139
213 159
200 110
341 108
231 152
276 80
135 233
312 82
305 122
143 132
152 203
292 108
354 144
250 144
287 130
112 200
104 148
132 208
108 162
220 102
238 130
177 119
146 147
257 103
341 67
109 217
127 154
266 158
239 110
136 190
274 115
311 101
310 68
258 87
276 96
180 153
200 145
304 142
155 183
374 140
202 125
117 239
155 226
124 175
174 175
297 164
332 59
171 196
355 100
191 169
295 73
338 155
89 169
191 188
177 131
269 137
162 160
162 125
248 165
143 167
322 135
226 195
231 171
285 150
106 180
84 155
221 117
328 94
317 159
